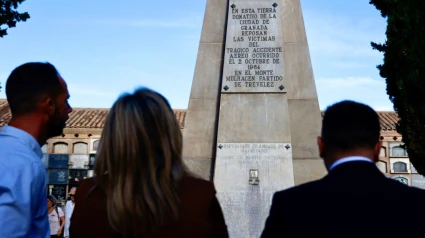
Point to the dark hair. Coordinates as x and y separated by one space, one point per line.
349 125
52 199
30 83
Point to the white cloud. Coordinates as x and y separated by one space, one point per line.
361 89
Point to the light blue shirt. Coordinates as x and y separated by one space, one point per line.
349 159
23 187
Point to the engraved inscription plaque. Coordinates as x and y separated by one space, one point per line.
58 161
246 177
78 161
58 176
253 60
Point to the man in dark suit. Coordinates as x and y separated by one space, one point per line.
355 199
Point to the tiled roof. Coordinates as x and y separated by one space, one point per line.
388 120
82 117
95 117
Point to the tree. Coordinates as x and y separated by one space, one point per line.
404 71
9 16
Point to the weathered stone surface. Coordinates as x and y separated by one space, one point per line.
199 135
200 167
201 119
292 22
307 170
246 177
305 124
207 76
214 25
299 70
256 118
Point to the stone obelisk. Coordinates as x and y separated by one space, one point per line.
253 114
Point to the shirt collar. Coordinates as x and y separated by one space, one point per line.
349 159
24 137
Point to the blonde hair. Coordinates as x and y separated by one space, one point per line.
139 164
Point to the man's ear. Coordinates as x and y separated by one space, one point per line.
48 106
377 151
321 147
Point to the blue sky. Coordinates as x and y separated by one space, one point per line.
104 48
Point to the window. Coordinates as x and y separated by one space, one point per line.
383 151
400 167
80 148
382 166
398 151
95 145
60 148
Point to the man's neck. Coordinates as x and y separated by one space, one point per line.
336 156
32 125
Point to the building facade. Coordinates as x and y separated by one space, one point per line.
69 158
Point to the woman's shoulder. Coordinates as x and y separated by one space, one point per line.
86 184
86 187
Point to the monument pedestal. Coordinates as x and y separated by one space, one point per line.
253 114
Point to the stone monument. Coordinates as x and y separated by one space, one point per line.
253 114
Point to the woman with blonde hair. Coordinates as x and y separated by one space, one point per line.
141 187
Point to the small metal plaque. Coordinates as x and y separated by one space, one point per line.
58 176
79 161
253 177
58 161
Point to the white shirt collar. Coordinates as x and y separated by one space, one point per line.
349 159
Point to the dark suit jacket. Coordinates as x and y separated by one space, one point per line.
201 215
354 200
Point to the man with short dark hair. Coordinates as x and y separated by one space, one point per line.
38 100
355 199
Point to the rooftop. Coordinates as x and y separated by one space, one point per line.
95 117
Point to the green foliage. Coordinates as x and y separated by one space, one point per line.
404 71
9 16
